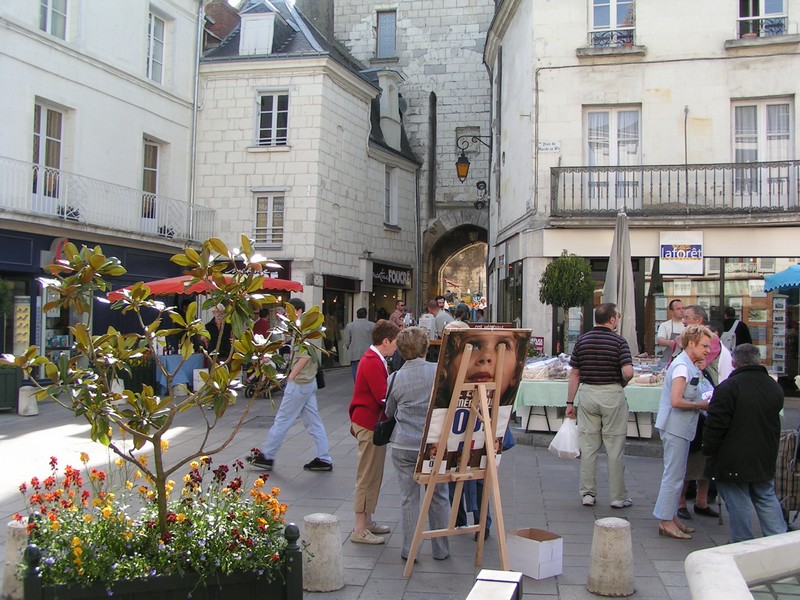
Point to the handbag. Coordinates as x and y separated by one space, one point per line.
382 433
565 443
320 378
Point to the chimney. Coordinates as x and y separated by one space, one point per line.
222 18
389 82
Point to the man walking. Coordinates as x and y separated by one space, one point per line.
741 438
601 367
440 315
299 400
358 338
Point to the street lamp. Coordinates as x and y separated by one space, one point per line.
462 143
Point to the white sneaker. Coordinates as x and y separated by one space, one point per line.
588 500
622 503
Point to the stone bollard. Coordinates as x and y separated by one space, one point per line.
611 563
16 541
324 571
28 405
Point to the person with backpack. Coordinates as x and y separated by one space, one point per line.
736 332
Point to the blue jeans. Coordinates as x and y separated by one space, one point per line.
354 366
299 400
740 497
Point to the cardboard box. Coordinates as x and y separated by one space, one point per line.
535 552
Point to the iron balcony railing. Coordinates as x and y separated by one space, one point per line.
770 187
612 38
32 189
762 26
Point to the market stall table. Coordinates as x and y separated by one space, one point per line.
541 404
184 374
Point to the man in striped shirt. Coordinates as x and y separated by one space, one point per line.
601 366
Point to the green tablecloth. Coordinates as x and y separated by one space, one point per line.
554 393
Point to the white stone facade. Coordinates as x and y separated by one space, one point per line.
684 72
333 184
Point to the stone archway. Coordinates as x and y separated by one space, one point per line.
452 232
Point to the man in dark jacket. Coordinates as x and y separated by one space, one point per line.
741 437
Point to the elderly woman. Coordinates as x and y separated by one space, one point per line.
407 402
681 401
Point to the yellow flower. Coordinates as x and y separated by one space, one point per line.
276 491
164 445
142 460
180 517
87 518
129 485
259 483
119 462
55 526
186 478
84 457
76 541
137 474
127 535
106 512
96 502
194 464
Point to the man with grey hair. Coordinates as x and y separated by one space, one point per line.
741 438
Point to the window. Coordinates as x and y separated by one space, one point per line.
53 17
269 220
47 142
387 34
155 48
273 120
390 197
613 23
762 132
149 180
762 18
613 139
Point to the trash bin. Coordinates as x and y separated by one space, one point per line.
10 380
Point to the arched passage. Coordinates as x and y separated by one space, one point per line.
456 237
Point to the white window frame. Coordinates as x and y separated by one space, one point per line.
606 189
760 18
50 15
47 154
269 224
390 217
278 128
150 169
156 47
769 184
621 27
386 34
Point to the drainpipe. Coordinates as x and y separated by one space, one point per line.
193 158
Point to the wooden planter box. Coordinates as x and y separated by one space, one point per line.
286 586
10 380
141 375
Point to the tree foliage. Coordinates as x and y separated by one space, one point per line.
566 282
133 423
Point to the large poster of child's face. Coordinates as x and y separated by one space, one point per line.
482 368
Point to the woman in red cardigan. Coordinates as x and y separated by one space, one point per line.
369 397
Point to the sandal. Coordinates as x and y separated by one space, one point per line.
678 535
683 527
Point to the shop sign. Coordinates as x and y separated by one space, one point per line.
387 275
537 341
681 252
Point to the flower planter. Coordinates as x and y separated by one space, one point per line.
10 380
144 374
288 585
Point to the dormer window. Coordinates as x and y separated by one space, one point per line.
613 23
257 33
762 18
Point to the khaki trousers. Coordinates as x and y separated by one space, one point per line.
369 472
602 421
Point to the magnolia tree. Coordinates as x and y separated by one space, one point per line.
133 424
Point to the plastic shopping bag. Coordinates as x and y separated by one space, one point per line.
565 443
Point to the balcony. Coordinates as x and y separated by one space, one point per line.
31 189
727 188
750 27
611 38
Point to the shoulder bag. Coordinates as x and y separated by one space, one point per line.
382 433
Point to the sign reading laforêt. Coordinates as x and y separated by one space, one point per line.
681 252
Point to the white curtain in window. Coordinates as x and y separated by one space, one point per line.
628 137
598 139
745 134
778 132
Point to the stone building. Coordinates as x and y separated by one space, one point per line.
302 148
687 124
96 146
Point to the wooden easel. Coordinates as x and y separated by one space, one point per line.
478 408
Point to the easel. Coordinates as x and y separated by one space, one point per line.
478 408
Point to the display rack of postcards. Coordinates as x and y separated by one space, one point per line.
779 334
661 316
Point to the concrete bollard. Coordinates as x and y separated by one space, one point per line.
611 563
324 571
28 405
16 541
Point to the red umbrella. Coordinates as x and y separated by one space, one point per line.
177 285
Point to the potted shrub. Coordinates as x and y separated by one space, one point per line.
133 424
566 282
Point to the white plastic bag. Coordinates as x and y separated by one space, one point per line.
565 442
